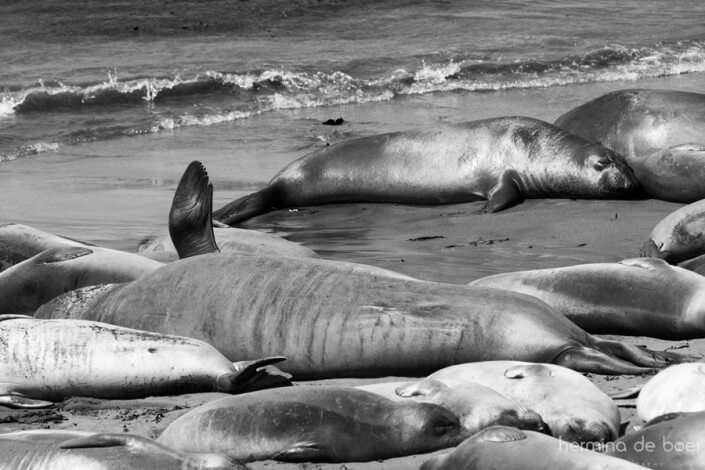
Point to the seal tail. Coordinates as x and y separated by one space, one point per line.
190 225
246 207
250 376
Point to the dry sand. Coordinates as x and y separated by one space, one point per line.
453 243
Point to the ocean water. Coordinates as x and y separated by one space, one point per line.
102 104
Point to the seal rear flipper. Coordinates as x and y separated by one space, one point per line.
190 224
584 359
650 250
642 356
504 195
302 452
246 207
12 399
253 375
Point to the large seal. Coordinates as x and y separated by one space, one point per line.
313 423
577 410
635 123
639 297
35 281
62 449
501 447
334 318
679 388
475 405
679 236
55 359
503 160
670 441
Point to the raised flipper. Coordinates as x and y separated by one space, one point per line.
246 207
303 452
504 195
11 399
190 224
253 375
650 250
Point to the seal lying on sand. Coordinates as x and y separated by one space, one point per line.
35 281
55 359
501 447
675 173
61 449
313 423
636 123
639 297
338 319
503 160
475 405
679 236
673 441
577 410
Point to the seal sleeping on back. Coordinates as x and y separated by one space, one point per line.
503 160
333 319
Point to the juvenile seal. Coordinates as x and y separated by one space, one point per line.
671 441
577 410
35 281
313 423
501 447
639 297
475 405
679 236
679 388
635 123
675 173
69 450
503 160
49 360
340 319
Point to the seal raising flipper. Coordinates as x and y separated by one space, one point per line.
190 216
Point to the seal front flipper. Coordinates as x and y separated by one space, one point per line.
303 452
504 195
11 399
190 224
246 207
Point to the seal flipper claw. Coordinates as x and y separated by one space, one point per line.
302 452
650 250
246 207
190 217
503 196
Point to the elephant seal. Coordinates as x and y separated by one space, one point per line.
475 405
68 450
639 297
35 281
313 423
20 242
577 410
505 448
635 123
679 388
697 265
675 173
503 160
55 359
679 236
673 441
340 319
